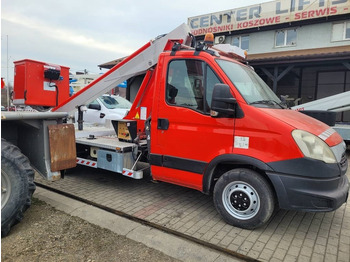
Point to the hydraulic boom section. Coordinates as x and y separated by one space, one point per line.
135 64
337 103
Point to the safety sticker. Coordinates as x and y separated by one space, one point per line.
137 116
143 113
326 134
241 142
49 86
85 162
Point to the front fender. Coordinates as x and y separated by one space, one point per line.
231 159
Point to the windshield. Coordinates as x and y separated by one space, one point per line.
113 102
250 85
122 102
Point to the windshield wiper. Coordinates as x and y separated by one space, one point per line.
267 102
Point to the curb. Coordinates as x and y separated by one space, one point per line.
170 245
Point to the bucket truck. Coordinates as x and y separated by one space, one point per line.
203 119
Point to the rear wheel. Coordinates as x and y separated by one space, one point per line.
17 186
244 198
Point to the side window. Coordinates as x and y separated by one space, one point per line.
341 31
190 84
286 37
181 81
211 81
241 42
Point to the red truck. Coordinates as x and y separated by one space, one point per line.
213 125
202 118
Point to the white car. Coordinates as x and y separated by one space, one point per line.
105 107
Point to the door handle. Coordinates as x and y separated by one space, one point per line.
163 124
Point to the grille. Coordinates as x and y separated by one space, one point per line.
343 160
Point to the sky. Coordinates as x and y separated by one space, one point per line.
82 34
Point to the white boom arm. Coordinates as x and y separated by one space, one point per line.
135 64
336 103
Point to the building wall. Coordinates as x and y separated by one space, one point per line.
302 80
82 80
308 37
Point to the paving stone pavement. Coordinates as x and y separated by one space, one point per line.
289 236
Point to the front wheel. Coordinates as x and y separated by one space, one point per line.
244 198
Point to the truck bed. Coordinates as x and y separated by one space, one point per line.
102 137
106 142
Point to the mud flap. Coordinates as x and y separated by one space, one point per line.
62 147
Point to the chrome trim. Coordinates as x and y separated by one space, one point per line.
339 151
326 134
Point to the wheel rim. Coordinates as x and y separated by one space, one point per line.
5 188
241 200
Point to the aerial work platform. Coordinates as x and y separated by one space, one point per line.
136 64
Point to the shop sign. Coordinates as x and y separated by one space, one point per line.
265 14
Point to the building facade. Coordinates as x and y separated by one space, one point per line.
301 48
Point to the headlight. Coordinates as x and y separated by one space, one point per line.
313 146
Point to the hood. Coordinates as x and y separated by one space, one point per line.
116 114
118 111
303 122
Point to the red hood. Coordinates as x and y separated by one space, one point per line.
303 122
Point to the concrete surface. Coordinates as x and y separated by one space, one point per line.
289 236
171 245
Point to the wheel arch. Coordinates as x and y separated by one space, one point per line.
223 163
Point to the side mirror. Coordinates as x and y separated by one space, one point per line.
223 103
94 106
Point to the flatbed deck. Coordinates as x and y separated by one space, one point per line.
106 142
103 137
93 130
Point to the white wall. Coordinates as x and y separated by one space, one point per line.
308 37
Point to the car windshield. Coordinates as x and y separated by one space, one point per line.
113 102
250 85
122 102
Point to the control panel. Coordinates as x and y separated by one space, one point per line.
126 130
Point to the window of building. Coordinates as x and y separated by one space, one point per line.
286 37
241 41
341 31
190 84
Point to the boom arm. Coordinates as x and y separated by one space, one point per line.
336 103
135 64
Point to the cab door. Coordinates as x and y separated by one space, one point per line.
93 112
184 137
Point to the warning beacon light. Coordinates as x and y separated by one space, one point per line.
209 39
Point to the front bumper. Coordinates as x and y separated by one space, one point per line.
309 185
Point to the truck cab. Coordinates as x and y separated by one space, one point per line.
216 127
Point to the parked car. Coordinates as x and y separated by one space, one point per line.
105 107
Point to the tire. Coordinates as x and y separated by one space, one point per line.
17 186
244 198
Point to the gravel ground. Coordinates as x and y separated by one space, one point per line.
46 234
